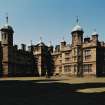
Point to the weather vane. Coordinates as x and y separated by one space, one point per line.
31 42
40 39
95 29
63 38
6 18
77 20
50 43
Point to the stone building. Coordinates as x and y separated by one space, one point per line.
0 60
14 61
84 56
44 62
36 61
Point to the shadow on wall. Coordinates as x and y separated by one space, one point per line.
38 92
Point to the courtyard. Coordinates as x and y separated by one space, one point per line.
52 91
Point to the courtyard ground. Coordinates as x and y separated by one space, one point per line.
52 91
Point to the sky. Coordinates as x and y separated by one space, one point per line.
52 19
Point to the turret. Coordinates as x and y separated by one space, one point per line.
63 44
7 45
77 35
50 47
23 47
87 40
77 51
7 34
95 36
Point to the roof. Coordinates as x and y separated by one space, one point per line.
7 27
77 28
95 33
40 44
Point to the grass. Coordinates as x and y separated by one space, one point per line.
63 79
53 91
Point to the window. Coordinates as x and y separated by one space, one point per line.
60 56
75 68
79 58
75 58
60 61
67 59
67 68
75 51
70 58
87 67
87 54
79 51
67 54
60 69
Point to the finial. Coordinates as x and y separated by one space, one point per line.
77 20
94 33
31 42
95 30
6 18
40 39
50 43
63 38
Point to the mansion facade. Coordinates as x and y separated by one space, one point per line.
84 56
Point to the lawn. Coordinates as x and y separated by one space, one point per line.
53 91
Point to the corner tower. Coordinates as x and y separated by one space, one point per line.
7 34
77 51
7 45
77 34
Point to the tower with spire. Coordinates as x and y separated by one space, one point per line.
77 34
77 41
7 34
7 44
